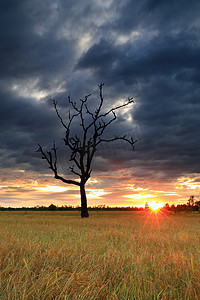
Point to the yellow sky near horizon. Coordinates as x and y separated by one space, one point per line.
22 188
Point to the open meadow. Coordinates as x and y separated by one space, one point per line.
111 255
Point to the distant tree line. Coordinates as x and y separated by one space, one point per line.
53 207
181 208
191 206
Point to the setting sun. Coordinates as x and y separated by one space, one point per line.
155 206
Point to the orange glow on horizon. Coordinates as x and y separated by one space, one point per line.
20 188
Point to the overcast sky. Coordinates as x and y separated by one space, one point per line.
146 49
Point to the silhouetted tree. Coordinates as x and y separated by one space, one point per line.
190 201
52 207
166 207
173 208
84 145
197 203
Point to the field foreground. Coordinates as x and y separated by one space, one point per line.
111 255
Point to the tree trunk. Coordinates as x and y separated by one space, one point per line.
84 210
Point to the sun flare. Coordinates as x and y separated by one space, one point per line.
155 206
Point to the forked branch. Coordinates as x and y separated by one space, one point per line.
52 161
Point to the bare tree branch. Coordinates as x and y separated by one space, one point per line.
115 138
53 165
55 106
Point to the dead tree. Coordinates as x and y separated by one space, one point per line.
84 146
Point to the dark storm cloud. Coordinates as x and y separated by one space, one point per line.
159 15
146 49
161 69
29 50
23 124
166 55
32 57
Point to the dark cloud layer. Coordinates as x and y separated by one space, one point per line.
146 49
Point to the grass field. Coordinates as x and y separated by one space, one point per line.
111 255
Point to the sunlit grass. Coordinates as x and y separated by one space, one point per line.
111 255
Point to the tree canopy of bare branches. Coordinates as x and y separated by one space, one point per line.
84 146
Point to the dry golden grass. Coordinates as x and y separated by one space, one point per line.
111 255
